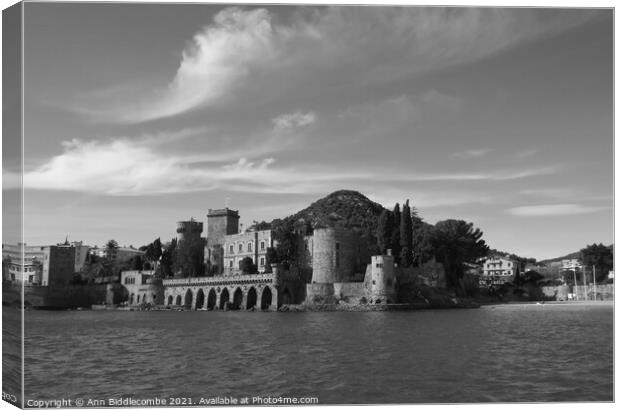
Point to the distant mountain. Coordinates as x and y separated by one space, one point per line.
344 208
573 255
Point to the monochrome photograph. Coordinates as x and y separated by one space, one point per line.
228 204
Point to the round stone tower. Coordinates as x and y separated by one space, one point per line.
188 230
383 279
324 256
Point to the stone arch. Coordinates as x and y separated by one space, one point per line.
131 299
200 299
170 300
211 300
179 300
251 298
138 300
237 302
189 297
144 298
224 298
266 298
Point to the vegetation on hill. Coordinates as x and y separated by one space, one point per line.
340 209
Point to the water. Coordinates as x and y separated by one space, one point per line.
495 354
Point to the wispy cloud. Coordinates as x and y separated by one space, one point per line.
553 210
495 175
226 57
472 153
142 166
293 120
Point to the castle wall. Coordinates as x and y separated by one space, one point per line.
352 292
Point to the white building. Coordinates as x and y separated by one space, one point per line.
252 244
497 270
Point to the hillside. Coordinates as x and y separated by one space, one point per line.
343 208
572 255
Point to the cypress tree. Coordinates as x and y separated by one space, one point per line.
406 236
396 234
385 228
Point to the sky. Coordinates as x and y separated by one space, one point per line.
137 116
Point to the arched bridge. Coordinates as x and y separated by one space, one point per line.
235 292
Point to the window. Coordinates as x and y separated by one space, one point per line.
262 261
262 245
249 246
232 249
239 264
240 247
230 264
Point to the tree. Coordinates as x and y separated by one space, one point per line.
110 248
167 259
287 241
457 242
423 249
599 256
152 251
385 229
247 266
271 256
396 234
406 236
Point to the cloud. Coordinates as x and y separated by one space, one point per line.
472 153
146 166
293 120
132 167
497 175
251 52
553 210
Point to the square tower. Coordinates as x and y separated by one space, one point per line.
221 222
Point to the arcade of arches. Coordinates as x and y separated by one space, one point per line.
228 297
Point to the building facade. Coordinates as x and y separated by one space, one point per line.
251 244
142 287
27 270
498 270
58 265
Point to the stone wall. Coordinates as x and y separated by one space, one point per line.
57 297
351 292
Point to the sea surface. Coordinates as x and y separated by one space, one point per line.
503 353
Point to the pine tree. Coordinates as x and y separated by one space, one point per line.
385 228
396 234
406 237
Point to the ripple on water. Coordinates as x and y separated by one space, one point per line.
483 355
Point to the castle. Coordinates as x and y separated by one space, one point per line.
333 264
